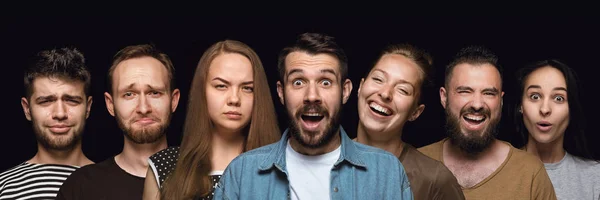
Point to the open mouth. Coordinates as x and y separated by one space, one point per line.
474 119
312 117
544 124
380 109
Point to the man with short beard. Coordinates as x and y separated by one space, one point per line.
314 159
484 166
57 101
142 97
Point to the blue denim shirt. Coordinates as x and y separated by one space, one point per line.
361 172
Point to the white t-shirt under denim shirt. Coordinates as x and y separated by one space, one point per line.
575 178
309 175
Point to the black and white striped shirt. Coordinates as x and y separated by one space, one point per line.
33 181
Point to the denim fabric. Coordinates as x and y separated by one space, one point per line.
361 172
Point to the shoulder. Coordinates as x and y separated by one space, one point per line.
257 153
587 166
94 170
11 172
375 155
433 150
524 158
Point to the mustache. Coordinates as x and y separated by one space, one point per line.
470 110
154 118
312 108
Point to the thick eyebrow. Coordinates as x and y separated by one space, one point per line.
493 90
533 87
71 97
560 88
46 98
324 71
464 88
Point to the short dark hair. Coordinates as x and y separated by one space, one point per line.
474 55
315 43
63 63
138 51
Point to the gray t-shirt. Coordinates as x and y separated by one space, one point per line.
575 178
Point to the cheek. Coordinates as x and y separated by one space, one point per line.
248 104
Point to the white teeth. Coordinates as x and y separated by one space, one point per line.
312 114
474 118
379 108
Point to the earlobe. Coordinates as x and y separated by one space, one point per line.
109 103
280 92
25 105
346 90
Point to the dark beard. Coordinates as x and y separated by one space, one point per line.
145 135
330 130
470 145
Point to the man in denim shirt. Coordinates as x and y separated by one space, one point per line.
314 159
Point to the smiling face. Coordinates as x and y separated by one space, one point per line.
230 92
313 95
388 96
545 105
57 109
473 104
141 101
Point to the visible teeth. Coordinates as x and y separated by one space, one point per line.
312 114
474 118
379 108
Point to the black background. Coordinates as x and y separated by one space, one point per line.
516 40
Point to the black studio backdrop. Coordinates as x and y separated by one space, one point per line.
517 41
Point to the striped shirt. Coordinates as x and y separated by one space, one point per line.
33 181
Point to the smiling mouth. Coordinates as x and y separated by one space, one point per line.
474 119
380 109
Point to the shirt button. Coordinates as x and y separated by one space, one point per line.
335 189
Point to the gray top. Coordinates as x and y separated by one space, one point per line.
575 178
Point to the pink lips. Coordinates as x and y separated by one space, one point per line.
233 115
60 128
544 126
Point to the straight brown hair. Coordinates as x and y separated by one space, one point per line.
190 178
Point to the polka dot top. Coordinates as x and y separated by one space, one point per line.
163 163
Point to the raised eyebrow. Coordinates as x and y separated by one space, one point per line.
533 87
560 88
328 71
294 71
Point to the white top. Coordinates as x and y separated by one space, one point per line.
309 176
575 178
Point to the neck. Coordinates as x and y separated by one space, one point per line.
333 144
134 157
389 141
224 148
552 152
454 152
73 156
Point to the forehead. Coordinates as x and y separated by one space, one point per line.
305 62
482 75
46 86
223 65
399 67
546 76
144 70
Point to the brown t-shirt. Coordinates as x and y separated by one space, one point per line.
520 176
105 180
429 179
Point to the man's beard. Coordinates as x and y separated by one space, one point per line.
58 144
144 135
314 141
471 142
